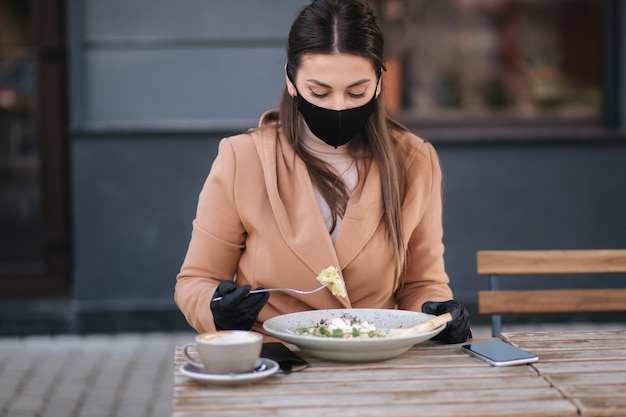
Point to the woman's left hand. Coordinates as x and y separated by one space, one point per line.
458 329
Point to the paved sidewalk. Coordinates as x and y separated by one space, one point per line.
89 376
127 375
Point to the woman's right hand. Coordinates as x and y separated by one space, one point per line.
237 310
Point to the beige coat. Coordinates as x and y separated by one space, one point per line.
258 220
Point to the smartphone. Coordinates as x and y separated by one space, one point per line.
288 360
499 353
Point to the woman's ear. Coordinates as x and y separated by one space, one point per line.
291 89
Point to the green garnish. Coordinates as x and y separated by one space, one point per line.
337 333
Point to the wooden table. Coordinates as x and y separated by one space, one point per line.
578 374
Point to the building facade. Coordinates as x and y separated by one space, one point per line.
150 87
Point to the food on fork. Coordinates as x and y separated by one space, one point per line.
330 278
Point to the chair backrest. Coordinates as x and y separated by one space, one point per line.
526 262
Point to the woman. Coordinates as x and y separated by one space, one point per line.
330 179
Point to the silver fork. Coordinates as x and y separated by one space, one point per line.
280 289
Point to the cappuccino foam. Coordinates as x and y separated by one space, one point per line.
227 338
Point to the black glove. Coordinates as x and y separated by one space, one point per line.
237 310
458 329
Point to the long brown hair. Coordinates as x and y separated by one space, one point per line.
349 26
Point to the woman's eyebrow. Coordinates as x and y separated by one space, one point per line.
354 84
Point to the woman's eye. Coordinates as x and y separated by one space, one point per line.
357 95
318 95
324 95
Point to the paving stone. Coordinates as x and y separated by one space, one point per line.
87 376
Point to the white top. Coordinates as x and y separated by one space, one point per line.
340 160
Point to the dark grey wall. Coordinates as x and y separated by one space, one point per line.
166 63
531 196
133 205
154 86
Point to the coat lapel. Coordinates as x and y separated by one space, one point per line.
294 203
362 218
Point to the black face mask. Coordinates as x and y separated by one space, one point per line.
335 127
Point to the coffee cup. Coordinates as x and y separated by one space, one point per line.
225 351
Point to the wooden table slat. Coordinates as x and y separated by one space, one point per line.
598 407
609 379
573 345
565 335
597 367
374 398
277 386
562 356
600 391
540 408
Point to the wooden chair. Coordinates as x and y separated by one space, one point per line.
522 262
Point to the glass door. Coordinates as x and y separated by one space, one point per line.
34 225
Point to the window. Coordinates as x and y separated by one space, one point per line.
19 193
34 226
484 61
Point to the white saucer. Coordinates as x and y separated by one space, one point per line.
264 368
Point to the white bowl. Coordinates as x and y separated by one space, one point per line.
351 350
